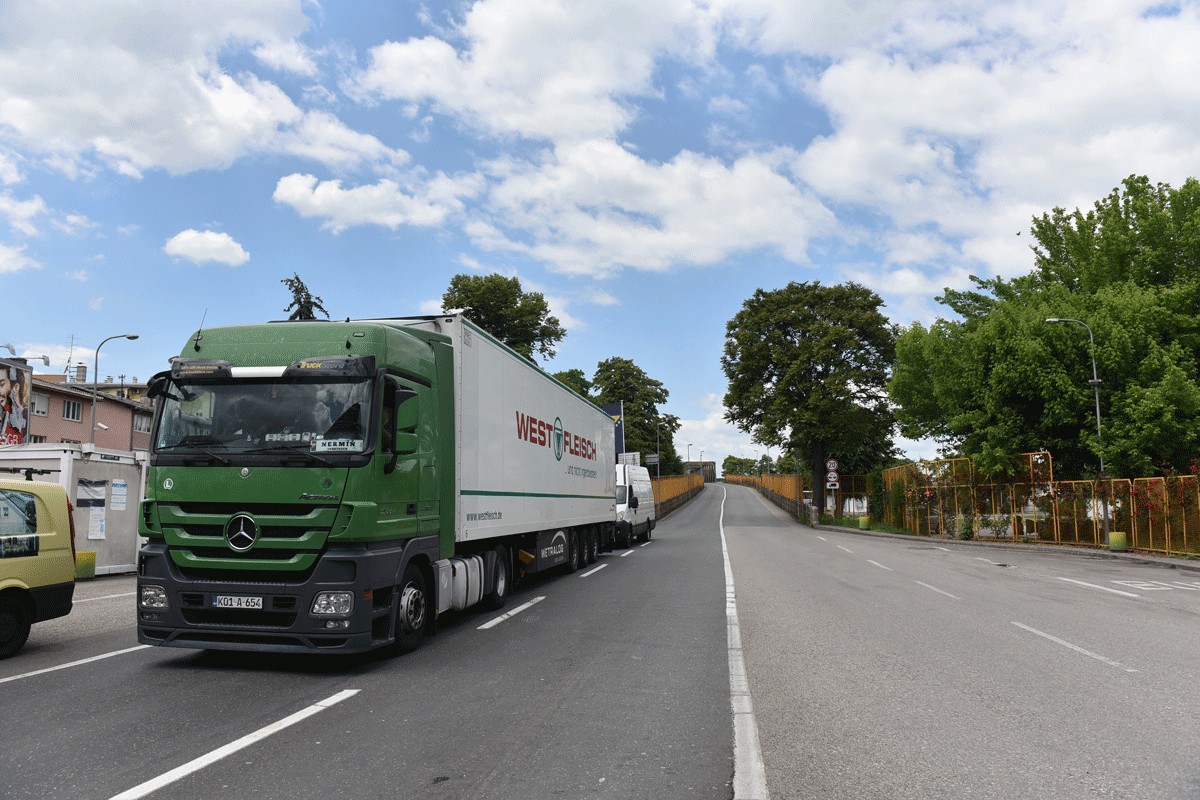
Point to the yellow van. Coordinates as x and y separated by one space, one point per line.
37 558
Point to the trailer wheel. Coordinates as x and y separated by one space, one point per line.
14 626
572 551
412 609
501 580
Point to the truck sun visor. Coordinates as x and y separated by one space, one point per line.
188 368
333 366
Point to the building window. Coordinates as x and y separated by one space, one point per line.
39 404
37 439
141 423
73 410
70 441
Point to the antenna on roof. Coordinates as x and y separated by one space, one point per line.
200 332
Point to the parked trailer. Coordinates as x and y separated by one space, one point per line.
334 487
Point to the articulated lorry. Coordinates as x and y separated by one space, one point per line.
335 486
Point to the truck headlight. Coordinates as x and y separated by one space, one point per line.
328 603
153 597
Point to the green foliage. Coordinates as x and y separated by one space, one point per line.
520 319
732 465
303 305
807 366
619 380
1000 381
576 380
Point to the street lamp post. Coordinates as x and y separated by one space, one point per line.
1095 384
658 450
96 377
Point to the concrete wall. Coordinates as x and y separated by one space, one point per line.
106 488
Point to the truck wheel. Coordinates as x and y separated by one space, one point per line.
501 581
412 610
593 549
572 551
14 626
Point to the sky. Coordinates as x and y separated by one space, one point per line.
644 164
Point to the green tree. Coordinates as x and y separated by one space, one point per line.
733 465
520 319
619 380
998 380
303 305
807 367
576 380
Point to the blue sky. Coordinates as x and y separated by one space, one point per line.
646 165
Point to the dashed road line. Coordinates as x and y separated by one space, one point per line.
1101 588
510 614
881 566
593 571
939 591
847 549
74 663
626 553
1074 647
208 759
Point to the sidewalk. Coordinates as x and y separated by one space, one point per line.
1189 565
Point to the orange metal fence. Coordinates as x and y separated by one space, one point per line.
672 491
944 498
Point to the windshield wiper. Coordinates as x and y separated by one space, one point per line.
293 450
200 443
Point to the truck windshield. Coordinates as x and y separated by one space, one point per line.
243 416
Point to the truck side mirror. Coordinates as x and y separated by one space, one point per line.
402 415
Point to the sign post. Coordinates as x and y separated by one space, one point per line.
832 483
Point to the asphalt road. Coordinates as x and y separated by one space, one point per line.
878 668
614 684
905 668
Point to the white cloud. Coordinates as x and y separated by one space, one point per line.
385 203
79 276
21 213
75 224
594 208
9 173
200 247
13 259
96 303
146 89
539 68
713 435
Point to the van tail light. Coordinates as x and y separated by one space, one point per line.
71 517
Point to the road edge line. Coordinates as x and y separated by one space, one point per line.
749 771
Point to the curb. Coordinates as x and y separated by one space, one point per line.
1088 552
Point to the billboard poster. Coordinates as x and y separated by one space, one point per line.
15 380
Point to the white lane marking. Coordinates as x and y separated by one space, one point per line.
822 538
987 561
105 597
947 549
847 549
1101 588
1074 647
593 571
939 591
208 759
626 553
749 771
74 663
510 614
645 544
881 566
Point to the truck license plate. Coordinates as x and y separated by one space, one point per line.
236 601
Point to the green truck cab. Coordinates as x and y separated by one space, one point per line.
37 558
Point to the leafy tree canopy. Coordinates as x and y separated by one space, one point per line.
303 305
732 465
999 380
647 430
576 380
808 366
520 319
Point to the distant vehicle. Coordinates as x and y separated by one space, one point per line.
332 487
634 506
37 558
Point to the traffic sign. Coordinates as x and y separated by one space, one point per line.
831 484
652 459
831 477
831 465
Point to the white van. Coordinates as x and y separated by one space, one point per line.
635 505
